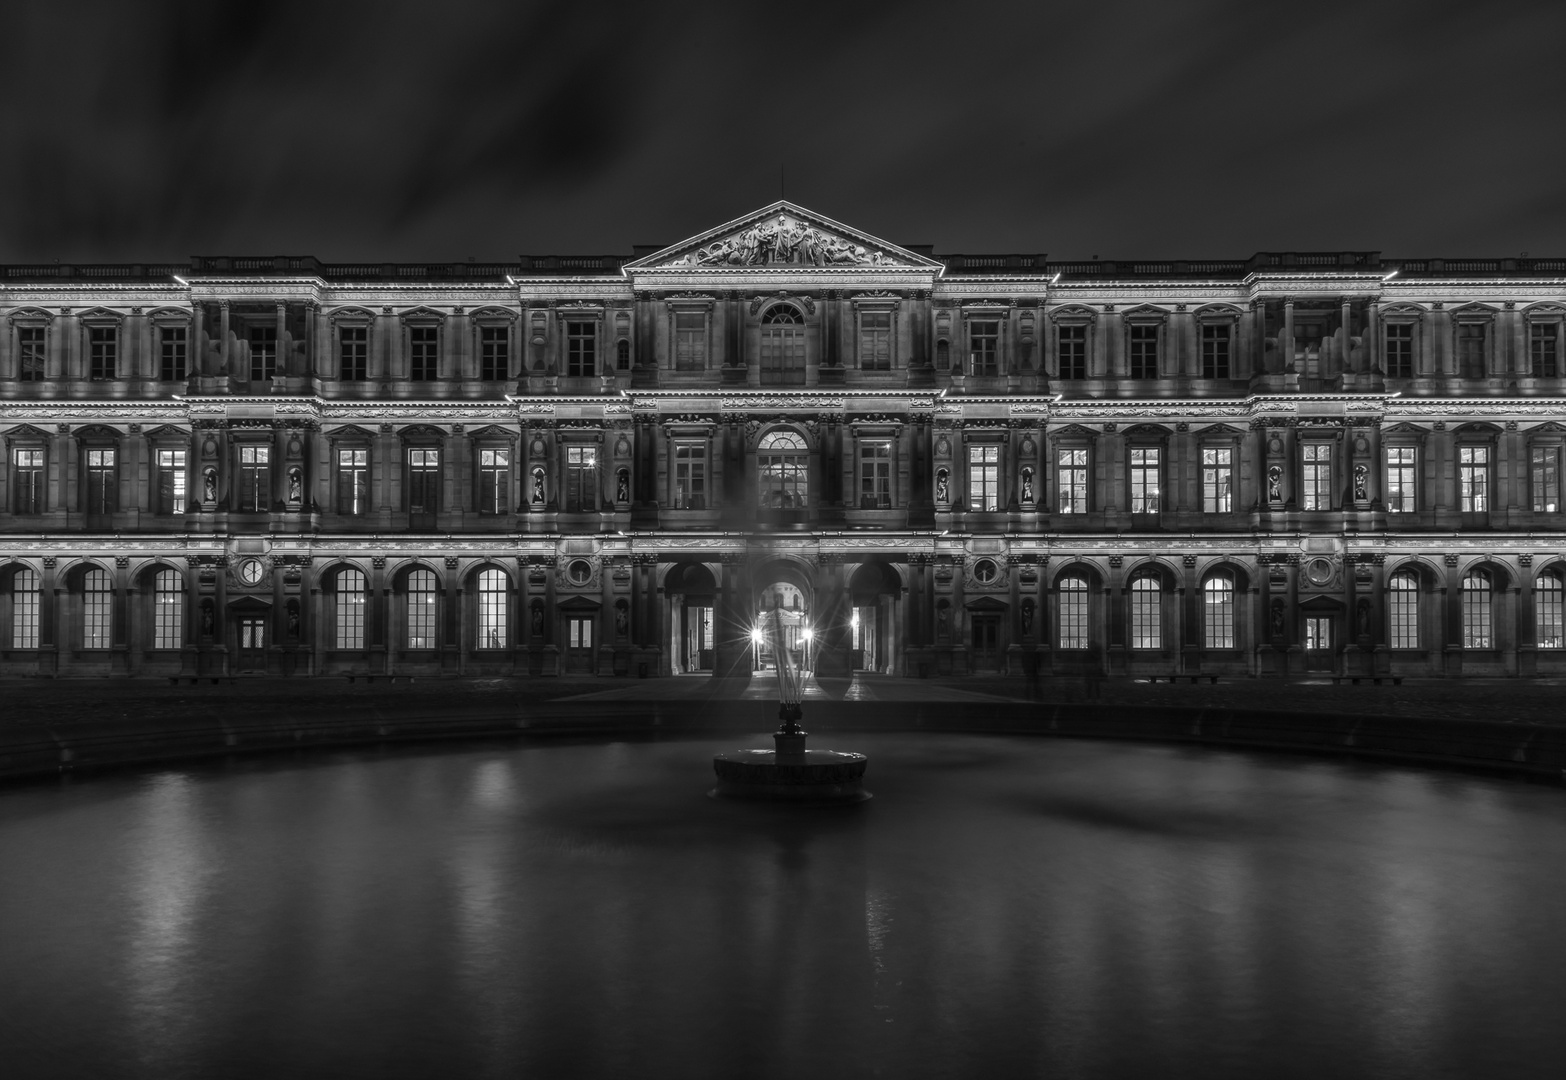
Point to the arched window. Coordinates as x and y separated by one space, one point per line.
783 346
783 457
1403 610
168 610
492 610
1073 592
97 610
1147 613
350 609
1218 611
421 609
622 355
24 608
1547 595
1476 610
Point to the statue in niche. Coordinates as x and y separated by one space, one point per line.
538 620
1027 617
622 487
1277 618
943 492
538 487
209 485
295 484
1362 618
293 619
622 620
1361 483
1275 483
206 618
1027 485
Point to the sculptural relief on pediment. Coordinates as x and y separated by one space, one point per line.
784 240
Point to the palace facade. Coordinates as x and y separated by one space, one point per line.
906 463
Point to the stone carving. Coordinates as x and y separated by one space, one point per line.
942 487
1361 483
784 240
1275 483
1362 618
1277 618
538 487
1027 486
1027 617
622 487
209 485
295 484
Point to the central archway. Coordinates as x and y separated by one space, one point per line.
873 639
692 593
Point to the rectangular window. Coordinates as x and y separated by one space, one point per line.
690 476
1400 350
168 608
1316 476
1143 343
875 340
24 609
582 479
1072 342
1473 479
984 346
423 484
1546 477
1400 480
263 353
1541 348
101 344
171 481
255 479
494 481
30 346
1217 479
1144 480
1470 350
581 349
1215 350
1072 481
783 353
27 481
984 478
423 358
354 345
171 354
494 353
690 341
875 475
353 481
101 487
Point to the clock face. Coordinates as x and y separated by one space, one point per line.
250 571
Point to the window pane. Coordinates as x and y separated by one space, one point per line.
1316 479
1400 479
1144 480
97 610
1476 611
1546 485
1073 593
24 609
1147 624
984 478
1218 612
1403 610
421 609
1217 478
1072 482
1547 597
168 610
492 622
350 609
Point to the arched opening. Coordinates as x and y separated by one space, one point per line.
416 613
21 599
692 593
875 590
790 629
783 458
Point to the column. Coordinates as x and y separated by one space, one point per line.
223 343
284 347
1286 339
1527 619
376 631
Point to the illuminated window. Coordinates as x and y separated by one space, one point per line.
984 346
1072 481
1143 342
1217 479
984 478
97 610
423 353
581 349
1546 478
1073 599
690 476
492 610
102 344
1400 350
581 479
354 343
353 480
1473 479
494 353
168 609
1476 610
255 478
1144 479
263 353
1400 479
875 340
875 474
1215 350
1403 610
171 481
350 609
24 609
171 354
1147 613
494 481
783 459
421 609
1316 476
1547 595
1218 611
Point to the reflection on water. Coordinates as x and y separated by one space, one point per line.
1003 907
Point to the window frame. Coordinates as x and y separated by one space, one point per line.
783 356
340 499
423 615
90 450
1135 469
492 615
1542 329
793 465
580 348
1064 490
872 358
39 469
1226 610
699 357
688 461
262 478
493 479
1076 326
1411 325
994 364
40 325
168 617
423 366
1144 340
25 619
416 462
1410 468
102 353
575 499
1208 348
1145 611
1212 470
265 332
1404 615
1478 609
97 610
1317 474
1485 338
989 470
171 498
1466 471
1545 490
876 471
1079 611
172 359
492 347
345 373
1549 603
350 617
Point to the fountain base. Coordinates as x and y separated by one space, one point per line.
805 776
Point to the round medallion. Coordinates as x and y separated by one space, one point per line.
251 572
985 572
580 572
1319 571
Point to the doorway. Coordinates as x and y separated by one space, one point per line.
697 637
1318 643
984 647
252 643
865 624
579 645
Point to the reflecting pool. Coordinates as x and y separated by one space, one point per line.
1003 907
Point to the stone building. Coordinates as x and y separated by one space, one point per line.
924 464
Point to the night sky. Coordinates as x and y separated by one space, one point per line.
149 132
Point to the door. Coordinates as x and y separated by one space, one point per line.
984 654
579 644
1318 643
698 638
252 643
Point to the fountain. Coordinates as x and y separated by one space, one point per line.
789 772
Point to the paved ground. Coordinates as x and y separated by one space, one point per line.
61 703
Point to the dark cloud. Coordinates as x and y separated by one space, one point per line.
397 130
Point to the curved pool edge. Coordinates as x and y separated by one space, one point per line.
1538 751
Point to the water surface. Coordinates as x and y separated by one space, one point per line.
1003 907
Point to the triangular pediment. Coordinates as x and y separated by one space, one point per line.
782 235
